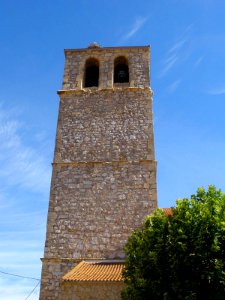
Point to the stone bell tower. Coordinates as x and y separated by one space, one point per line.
104 169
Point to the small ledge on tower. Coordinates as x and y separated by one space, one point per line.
93 90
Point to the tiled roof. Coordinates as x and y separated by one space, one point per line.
167 211
96 271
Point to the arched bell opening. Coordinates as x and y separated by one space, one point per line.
91 77
121 70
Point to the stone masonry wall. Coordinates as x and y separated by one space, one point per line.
103 172
94 207
105 125
138 60
92 291
52 272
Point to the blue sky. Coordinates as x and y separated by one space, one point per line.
187 39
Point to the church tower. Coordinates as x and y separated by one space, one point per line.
104 169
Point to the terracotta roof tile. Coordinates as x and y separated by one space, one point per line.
96 271
167 211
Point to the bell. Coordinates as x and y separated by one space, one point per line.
121 74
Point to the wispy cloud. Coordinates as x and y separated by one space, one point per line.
18 290
217 91
24 175
198 61
177 46
175 54
174 85
169 62
19 254
21 165
136 26
29 219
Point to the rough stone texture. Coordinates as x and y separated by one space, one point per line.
92 290
52 272
94 207
104 169
106 125
138 60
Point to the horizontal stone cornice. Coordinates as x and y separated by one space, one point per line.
77 260
117 162
97 90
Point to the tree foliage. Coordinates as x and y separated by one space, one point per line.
181 256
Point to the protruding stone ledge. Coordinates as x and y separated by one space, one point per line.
76 260
99 89
94 163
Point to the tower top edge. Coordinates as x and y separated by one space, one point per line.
100 49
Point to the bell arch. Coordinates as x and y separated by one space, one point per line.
121 70
91 74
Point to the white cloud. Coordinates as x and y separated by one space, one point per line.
176 53
40 136
173 86
199 60
19 257
4 205
24 170
30 219
21 165
17 289
217 91
179 44
168 64
136 26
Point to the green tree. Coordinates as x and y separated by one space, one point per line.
181 256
